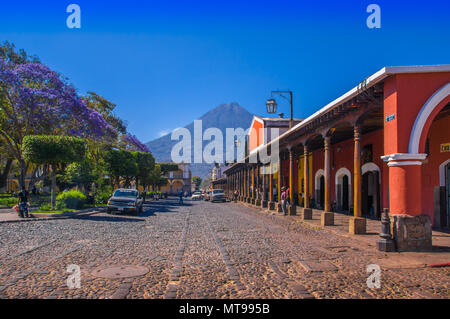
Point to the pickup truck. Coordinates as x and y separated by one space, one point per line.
126 201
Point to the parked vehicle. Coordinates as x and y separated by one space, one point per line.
197 196
125 200
217 195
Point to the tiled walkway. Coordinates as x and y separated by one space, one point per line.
441 240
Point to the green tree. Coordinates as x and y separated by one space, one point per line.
197 181
121 164
81 174
145 165
53 150
155 175
168 167
156 180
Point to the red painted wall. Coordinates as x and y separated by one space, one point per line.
438 134
411 187
256 133
404 96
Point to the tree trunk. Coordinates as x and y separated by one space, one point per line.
34 178
23 172
53 196
5 173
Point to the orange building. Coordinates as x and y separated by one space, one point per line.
383 144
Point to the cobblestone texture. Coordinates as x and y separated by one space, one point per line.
199 250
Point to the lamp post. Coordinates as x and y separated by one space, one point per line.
272 104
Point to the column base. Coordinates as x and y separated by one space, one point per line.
385 244
264 204
357 225
412 233
327 219
306 213
271 205
292 210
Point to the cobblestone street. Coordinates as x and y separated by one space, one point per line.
199 250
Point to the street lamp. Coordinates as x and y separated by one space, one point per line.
272 104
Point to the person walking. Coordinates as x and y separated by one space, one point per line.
283 200
23 203
180 194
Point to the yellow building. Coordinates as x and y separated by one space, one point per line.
179 180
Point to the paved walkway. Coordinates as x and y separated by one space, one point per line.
11 216
8 214
441 240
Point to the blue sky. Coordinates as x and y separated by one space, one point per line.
165 63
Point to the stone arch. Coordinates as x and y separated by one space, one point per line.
343 171
371 189
317 176
442 172
371 167
426 115
319 192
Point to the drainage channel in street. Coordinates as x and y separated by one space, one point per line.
177 270
233 274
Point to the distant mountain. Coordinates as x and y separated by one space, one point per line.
223 116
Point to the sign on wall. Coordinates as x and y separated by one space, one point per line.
390 117
445 147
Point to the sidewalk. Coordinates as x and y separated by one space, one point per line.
11 216
439 255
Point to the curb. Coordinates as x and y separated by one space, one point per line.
11 207
439 265
84 212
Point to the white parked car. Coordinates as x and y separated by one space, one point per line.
218 195
197 196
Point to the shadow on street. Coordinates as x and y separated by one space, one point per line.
169 205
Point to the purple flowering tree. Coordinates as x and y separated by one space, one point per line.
34 100
133 144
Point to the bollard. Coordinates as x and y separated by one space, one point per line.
385 242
